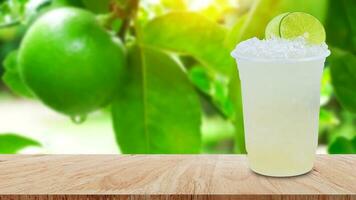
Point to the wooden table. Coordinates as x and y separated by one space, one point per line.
167 177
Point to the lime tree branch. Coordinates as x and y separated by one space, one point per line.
132 8
125 11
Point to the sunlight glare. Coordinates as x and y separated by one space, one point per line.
199 4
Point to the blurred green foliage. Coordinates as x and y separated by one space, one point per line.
152 101
12 143
12 76
179 51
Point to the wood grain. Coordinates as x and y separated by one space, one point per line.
167 177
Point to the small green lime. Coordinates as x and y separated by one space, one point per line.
296 24
71 63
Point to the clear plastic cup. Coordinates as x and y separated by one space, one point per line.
281 113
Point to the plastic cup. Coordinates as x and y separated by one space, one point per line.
281 100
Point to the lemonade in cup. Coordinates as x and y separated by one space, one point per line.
280 81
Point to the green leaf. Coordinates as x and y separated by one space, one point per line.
5 49
35 9
201 79
174 4
343 139
327 120
235 96
20 12
218 135
191 34
12 11
341 25
220 92
215 86
343 145
74 3
317 8
12 143
96 6
235 35
157 109
326 87
12 77
343 77
197 36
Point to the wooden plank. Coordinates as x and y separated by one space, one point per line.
178 197
168 177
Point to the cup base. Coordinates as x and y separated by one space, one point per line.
280 175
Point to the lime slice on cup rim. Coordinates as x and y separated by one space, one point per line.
272 28
295 24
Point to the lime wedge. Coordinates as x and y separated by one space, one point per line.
272 28
296 24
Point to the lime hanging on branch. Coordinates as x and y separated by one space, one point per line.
296 24
70 62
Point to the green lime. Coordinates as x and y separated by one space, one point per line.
70 62
296 24
272 28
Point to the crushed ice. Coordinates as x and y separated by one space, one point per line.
277 48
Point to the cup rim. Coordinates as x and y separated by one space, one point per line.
280 60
